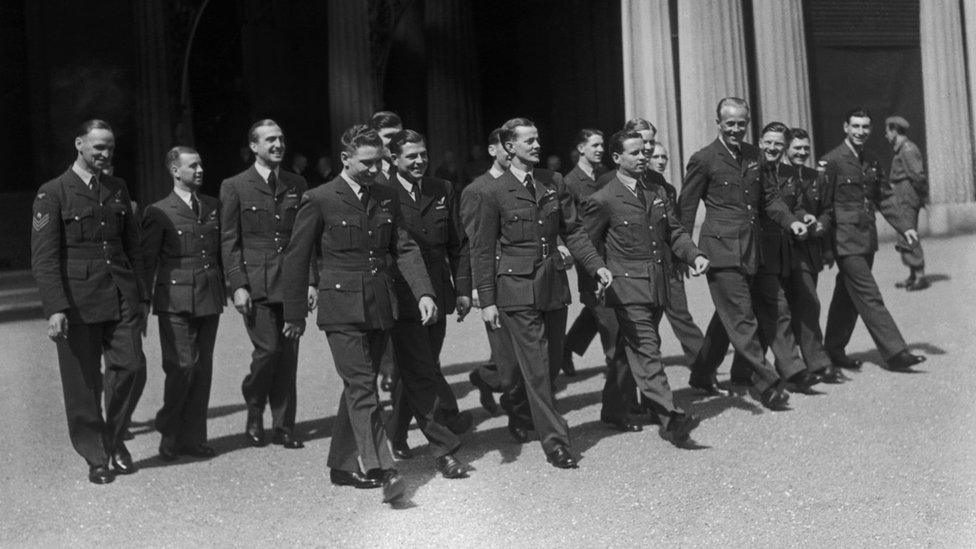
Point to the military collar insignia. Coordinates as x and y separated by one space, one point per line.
752 165
657 202
385 202
441 201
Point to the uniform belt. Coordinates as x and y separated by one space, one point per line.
542 252
187 263
266 244
372 264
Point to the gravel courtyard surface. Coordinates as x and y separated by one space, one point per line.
887 459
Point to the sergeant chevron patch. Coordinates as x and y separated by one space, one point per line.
40 221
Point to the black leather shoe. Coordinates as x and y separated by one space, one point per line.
285 439
919 284
904 360
905 283
560 457
197 451
847 363
679 428
127 434
121 461
519 433
450 467
568 367
393 486
401 450
100 474
775 398
622 425
386 384
353 478
167 449
460 422
802 382
254 431
709 387
484 393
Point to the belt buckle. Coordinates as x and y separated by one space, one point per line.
545 249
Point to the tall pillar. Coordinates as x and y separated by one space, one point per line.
649 81
781 63
712 65
947 116
453 92
352 97
154 131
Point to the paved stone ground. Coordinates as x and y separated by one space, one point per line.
884 460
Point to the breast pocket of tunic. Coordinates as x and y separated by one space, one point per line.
345 234
288 210
79 224
725 189
255 217
518 225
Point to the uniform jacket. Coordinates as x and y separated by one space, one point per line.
356 247
813 198
182 251
85 249
776 242
859 189
581 185
433 223
636 241
530 273
733 193
255 230
908 167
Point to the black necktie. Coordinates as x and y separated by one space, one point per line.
93 184
273 182
529 184
364 193
195 205
639 190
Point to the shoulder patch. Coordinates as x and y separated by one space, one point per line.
40 221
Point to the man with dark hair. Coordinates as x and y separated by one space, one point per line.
858 189
429 208
526 287
358 229
386 124
87 261
181 243
634 228
911 186
257 212
725 175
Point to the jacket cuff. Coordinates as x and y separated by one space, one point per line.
462 286
294 310
486 296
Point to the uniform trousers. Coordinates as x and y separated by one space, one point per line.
911 254
358 434
93 435
187 344
421 390
619 391
639 356
734 321
274 364
856 294
775 328
537 338
801 294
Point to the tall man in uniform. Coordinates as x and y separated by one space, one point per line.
359 230
258 209
429 209
87 262
911 186
858 189
181 243
526 288
634 226
725 176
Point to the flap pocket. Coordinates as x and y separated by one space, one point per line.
520 215
77 214
628 269
77 271
725 229
516 265
254 207
341 281
175 277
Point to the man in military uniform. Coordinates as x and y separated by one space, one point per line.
87 262
725 176
429 209
359 229
526 287
635 228
911 186
181 243
258 209
858 189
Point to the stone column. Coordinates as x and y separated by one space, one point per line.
154 129
782 75
947 113
453 92
649 81
712 65
352 97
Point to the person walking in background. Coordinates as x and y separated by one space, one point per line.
911 186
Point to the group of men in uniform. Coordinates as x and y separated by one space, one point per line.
388 252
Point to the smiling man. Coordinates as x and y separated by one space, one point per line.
258 209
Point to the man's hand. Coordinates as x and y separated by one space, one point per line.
809 219
911 235
489 314
428 310
313 298
798 228
463 306
57 326
474 299
242 301
604 275
293 330
828 258
701 266
567 257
